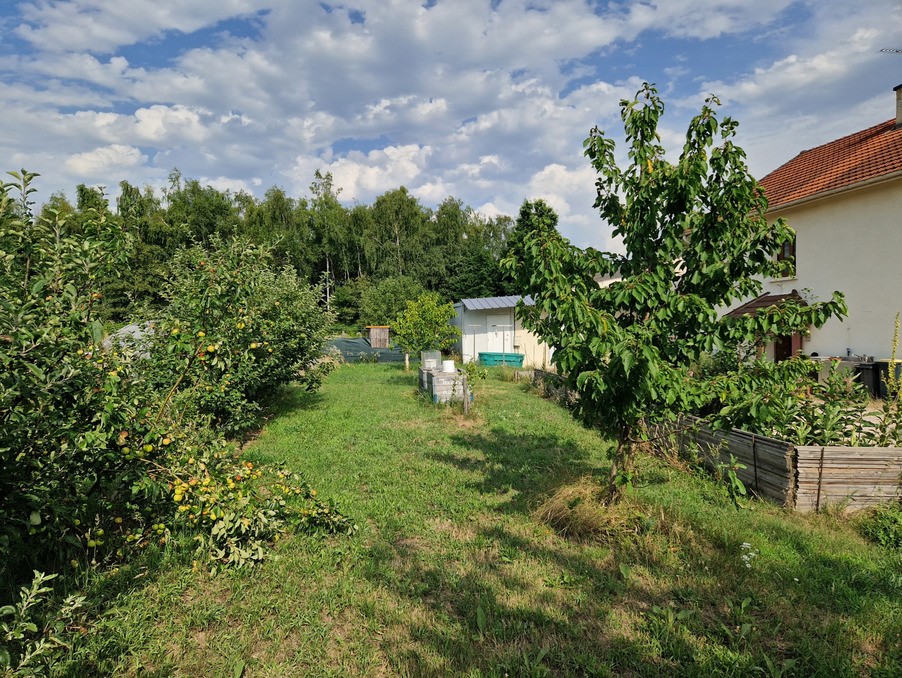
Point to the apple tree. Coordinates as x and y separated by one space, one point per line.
425 325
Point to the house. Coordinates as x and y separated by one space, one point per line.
844 201
490 325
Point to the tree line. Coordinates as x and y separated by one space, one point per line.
370 258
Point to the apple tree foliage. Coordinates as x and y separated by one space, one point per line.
696 241
425 325
107 446
238 328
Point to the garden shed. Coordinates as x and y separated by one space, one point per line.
490 325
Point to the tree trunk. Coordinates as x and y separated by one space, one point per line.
621 468
328 281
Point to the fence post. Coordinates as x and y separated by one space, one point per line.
820 475
755 463
466 394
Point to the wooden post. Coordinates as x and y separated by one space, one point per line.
820 476
466 388
755 463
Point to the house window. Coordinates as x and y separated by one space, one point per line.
787 257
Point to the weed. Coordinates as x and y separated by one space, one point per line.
29 640
883 525
774 670
728 472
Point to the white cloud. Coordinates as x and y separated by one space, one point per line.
103 25
362 176
105 161
834 82
489 104
170 124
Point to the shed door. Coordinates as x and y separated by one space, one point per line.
500 334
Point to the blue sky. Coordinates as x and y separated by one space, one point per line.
484 100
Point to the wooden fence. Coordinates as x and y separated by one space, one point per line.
806 478
769 468
855 477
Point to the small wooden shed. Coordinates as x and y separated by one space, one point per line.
378 336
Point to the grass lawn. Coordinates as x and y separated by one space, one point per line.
452 573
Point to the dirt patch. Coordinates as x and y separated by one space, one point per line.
461 533
466 422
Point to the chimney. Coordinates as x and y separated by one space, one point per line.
898 90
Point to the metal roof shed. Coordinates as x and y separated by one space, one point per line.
490 325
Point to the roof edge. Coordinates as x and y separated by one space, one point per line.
873 181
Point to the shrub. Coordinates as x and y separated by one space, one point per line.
97 446
64 403
33 630
425 325
883 525
234 331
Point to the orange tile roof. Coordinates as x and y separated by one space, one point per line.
863 156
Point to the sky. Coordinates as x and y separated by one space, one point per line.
487 101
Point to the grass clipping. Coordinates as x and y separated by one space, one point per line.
576 511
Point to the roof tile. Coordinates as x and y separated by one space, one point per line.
843 163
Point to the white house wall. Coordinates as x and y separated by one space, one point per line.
851 242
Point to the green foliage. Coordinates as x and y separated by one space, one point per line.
397 243
63 402
883 525
425 325
475 373
452 250
381 303
95 435
696 240
236 508
736 489
347 299
32 636
201 211
784 400
234 330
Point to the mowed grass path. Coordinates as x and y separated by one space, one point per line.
451 573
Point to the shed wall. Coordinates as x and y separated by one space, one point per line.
477 330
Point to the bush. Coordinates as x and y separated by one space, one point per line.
883 525
64 403
104 450
33 631
234 331
425 325
783 400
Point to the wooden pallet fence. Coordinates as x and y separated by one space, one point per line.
854 477
769 464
